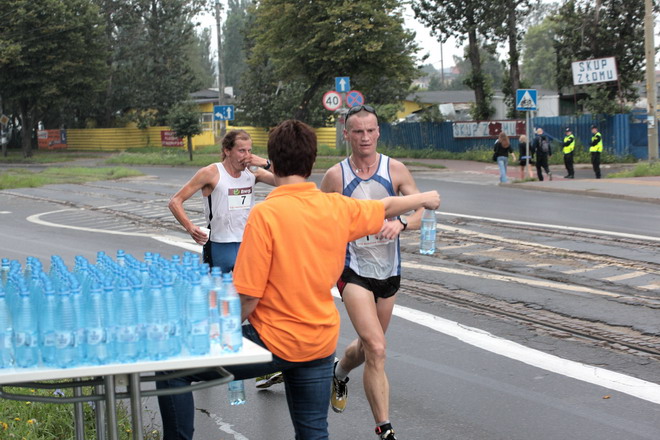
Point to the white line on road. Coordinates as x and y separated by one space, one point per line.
560 227
626 276
5 212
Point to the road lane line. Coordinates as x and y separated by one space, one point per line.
626 276
508 278
545 225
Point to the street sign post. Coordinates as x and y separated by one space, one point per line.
332 100
223 112
342 84
526 102
354 98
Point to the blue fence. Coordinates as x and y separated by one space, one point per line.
622 135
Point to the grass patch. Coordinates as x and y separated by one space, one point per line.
641 170
21 178
47 156
166 157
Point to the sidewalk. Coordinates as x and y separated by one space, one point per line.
646 189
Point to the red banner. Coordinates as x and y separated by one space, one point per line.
168 138
51 139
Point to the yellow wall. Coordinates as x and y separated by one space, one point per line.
409 107
132 137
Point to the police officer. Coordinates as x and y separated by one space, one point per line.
595 149
569 147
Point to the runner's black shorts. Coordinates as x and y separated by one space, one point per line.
380 288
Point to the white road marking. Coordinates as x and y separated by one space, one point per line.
560 227
625 276
585 269
510 279
5 212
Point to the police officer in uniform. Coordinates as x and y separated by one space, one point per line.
569 147
595 149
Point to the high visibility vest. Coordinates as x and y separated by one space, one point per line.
568 148
598 148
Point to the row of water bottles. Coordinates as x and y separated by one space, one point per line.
114 310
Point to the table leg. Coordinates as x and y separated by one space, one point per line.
78 414
111 407
136 405
100 414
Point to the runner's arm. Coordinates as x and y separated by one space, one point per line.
332 180
202 178
407 186
397 205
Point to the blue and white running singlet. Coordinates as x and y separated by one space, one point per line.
367 256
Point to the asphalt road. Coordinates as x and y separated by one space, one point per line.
454 373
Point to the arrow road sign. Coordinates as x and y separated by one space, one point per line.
342 84
526 99
223 112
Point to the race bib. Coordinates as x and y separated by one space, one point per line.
370 240
240 198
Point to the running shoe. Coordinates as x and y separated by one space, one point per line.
385 432
269 380
339 394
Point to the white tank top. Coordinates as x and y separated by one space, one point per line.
367 256
226 209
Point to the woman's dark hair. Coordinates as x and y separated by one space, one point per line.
503 139
229 141
292 149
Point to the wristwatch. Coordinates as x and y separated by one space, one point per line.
267 167
404 222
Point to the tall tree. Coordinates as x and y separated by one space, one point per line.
539 56
56 58
608 28
461 19
200 59
310 43
234 58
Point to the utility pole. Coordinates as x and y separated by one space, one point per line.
221 73
649 48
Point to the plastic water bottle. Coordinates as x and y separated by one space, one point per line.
157 328
230 316
79 318
175 321
128 341
198 318
427 233
26 338
66 345
236 391
215 293
47 319
4 272
6 333
97 349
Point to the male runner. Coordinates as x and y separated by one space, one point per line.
372 271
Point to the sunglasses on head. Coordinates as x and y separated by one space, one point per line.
359 108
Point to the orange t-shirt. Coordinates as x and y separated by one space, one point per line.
292 254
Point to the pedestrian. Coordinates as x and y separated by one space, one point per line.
372 268
569 148
525 156
595 149
228 191
292 253
542 151
501 151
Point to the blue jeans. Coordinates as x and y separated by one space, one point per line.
502 162
307 386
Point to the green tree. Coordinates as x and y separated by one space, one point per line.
234 58
539 56
200 59
55 61
307 44
465 19
604 29
183 118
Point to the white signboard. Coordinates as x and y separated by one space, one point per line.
487 129
594 71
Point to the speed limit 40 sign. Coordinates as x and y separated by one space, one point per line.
331 100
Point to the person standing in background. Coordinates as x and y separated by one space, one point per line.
542 150
569 148
525 156
502 150
595 149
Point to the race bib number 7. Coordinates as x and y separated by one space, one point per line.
240 198
370 240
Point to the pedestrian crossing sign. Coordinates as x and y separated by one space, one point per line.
526 99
